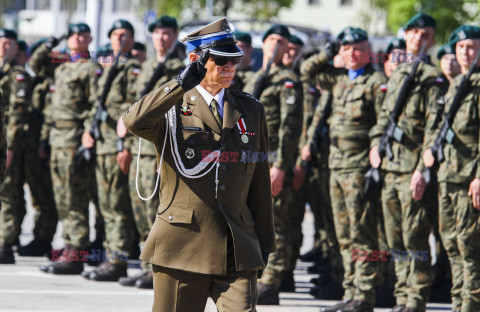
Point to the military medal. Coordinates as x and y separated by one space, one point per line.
244 138
189 153
243 130
186 111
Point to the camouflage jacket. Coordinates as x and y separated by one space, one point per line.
121 96
321 158
16 88
172 68
3 141
241 78
282 99
462 156
418 116
42 63
355 107
311 96
72 98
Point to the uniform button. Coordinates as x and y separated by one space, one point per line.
220 207
166 89
224 166
170 218
222 187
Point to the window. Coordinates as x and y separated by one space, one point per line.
346 2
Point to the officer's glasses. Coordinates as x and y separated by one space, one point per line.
223 60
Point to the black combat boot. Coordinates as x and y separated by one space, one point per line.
146 281
36 248
267 295
358 306
131 280
288 282
67 264
342 304
109 272
6 254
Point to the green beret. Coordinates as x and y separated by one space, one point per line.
163 21
8 33
464 32
296 41
243 36
78 28
105 50
139 46
277 29
420 20
396 43
22 45
121 24
446 49
352 35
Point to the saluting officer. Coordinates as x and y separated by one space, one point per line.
214 226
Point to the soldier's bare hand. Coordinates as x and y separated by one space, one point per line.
87 140
428 158
306 155
277 176
417 185
474 191
375 159
121 129
298 177
9 158
124 159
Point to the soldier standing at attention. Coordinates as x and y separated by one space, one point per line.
396 54
73 96
15 85
459 176
357 98
214 226
112 165
448 62
164 36
281 95
244 70
405 210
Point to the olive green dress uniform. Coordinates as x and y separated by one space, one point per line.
112 184
408 222
458 219
16 90
189 214
283 102
354 111
72 98
144 211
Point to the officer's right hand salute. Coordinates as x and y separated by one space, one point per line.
194 73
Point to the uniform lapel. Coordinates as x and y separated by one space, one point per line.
231 113
201 110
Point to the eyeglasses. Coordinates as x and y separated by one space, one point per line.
223 60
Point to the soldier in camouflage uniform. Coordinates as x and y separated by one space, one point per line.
15 84
282 99
459 178
357 98
72 98
164 34
448 62
405 210
139 51
112 165
244 71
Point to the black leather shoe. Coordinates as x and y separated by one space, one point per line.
36 248
146 281
336 307
130 280
64 268
109 272
358 306
288 283
6 255
267 295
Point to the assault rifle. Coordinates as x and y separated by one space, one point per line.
446 134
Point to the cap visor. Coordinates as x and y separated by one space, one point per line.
230 50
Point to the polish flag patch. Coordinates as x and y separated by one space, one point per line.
19 77
136 71
98 71
289 84
439 80
383 87
312 90
52 88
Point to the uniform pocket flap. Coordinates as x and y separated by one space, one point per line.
178 215
247 218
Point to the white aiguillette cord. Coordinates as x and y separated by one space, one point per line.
192 173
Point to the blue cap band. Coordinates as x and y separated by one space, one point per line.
192 45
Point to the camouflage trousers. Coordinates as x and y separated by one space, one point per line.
408 226
27 168
115 205
71 186
356 228
459 225
144 212
284 207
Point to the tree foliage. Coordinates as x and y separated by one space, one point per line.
449 14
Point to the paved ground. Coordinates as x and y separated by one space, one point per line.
24 288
